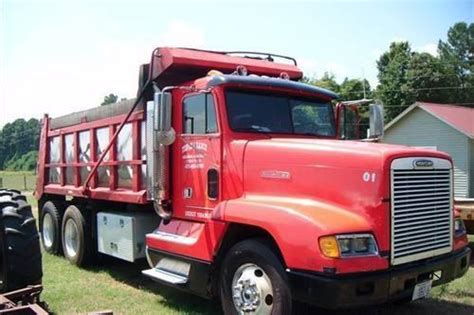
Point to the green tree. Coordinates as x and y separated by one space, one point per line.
353 89
18 138
109 99
327 81
427 78
393 89
457 55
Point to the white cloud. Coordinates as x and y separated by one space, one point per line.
398 39
309 66
314 68
81 73
431 48
376 52
337 69
181 34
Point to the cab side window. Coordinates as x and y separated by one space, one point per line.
199 115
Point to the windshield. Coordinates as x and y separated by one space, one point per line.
256 112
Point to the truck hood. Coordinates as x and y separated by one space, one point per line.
331 153
349 175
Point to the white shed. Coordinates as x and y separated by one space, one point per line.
441 127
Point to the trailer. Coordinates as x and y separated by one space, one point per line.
23 301
235 180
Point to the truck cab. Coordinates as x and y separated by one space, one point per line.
260 199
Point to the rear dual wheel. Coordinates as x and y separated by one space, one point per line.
50 227
66 232
77 240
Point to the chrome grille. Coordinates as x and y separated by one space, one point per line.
421 207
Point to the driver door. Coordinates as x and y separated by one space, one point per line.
196 174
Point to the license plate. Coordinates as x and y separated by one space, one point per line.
422 290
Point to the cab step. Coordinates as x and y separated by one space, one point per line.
166 276
169 270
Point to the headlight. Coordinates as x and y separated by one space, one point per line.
348 245
459 227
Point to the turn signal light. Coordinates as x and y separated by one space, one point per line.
329 247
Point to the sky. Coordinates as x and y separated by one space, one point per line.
58 57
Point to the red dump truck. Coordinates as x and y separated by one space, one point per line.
236 180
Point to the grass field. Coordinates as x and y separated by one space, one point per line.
18 180
119 286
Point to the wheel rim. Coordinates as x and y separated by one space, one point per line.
71 237
48 230
252 290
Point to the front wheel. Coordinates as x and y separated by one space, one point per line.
253 281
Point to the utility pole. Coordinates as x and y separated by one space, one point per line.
363 82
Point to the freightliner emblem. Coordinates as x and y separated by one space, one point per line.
423 164
274 174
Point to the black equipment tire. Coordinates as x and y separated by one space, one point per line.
19 240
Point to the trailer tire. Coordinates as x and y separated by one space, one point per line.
76 237
254 261
21 259
50 228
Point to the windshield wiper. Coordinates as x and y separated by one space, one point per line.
255 128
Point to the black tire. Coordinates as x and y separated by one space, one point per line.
51 243
85 248
21 259
256 252
403 301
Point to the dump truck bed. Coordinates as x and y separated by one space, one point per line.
73 143
93 114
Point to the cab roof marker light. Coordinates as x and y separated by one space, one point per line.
284 76
214 73
241 70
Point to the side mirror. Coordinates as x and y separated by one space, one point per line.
162 124
376 121
348 121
